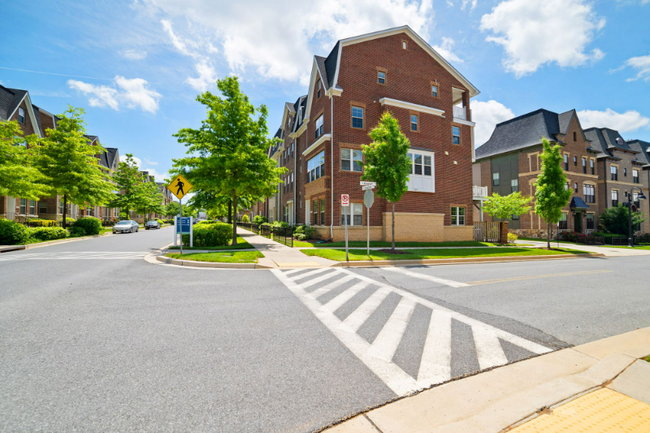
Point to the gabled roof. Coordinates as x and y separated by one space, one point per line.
564 120
112 155
300 109
598 142
605 140
10 99
578 203
643 147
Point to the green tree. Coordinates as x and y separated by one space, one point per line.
19 177
505 206
172 209
615 220
227 155
70 165
150 199
551 193
387 162
129 183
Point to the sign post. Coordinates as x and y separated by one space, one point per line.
180 187
345 202
368 200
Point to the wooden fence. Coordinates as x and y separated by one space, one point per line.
487 231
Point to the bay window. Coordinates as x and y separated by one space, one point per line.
316 167
421 177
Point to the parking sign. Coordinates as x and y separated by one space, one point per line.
345 200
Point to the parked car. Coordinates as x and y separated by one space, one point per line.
153 224
126 226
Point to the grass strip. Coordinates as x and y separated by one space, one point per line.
359 255
223 257
241 245
381 244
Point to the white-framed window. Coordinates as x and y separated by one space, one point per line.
434 90
566 162
23 206
495 179
357 117
457 216
614 198
381 77
21 115
415 120
42 207
318 86
514 185
614 172
405 45
593 169
455 132
350 159
422 176
589 193
354 214
316 167
319 126
562 224
635 176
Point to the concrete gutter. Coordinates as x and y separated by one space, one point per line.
7 248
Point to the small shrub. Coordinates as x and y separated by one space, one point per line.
512 238
210 234
13 233
37 222
300 236
303 232
161 222
245 219
76 231
280 224
259 219
48 233
91 225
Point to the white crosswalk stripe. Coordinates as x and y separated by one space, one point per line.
75 255
435 365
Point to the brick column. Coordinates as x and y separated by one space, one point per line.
504 232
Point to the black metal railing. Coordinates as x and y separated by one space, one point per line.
283 235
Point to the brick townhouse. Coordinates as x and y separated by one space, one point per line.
510 161
322 133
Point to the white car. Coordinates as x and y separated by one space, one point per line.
126 226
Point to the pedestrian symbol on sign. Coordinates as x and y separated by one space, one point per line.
179 187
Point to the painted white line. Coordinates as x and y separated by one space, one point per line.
319 279
435 366
293 271
344 297
321 291
388 339
488 348
354 321
444 281
310 273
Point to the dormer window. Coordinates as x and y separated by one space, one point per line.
21 115
381 77
318 89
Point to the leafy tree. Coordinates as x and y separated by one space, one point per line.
615 220
18 176
551 194
387 162
172 209
227 155
150 199
129 183
504 207
70 165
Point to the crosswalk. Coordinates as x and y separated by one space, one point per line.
75 255
387 327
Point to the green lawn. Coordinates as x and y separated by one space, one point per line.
380 244
636 247
225 257
241 245
647 358
356 255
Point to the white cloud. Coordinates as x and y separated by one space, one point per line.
487 115
445 50
642 66
623 122
207 76
152 171
536 32
272 38
147 161
134 54
132 92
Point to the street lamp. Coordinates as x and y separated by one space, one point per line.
641 196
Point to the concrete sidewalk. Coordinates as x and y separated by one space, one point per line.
607 251
539 394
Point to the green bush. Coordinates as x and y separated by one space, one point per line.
48 233
161 222
210 234
13 233
76 231
280 224
37 222
303 232
259 219
91 225
512 238
616 220
245 219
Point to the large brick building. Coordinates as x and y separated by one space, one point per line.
601 168
322 133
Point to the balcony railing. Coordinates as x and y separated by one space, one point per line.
459 112
479 192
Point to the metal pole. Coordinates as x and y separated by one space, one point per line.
347 259
629 215
180 225
368 227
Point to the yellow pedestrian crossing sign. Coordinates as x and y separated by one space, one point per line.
179 186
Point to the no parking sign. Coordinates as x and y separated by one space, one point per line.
345 200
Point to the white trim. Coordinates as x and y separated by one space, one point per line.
463 122
30 109
411 106
321 140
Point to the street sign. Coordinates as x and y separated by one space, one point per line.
366 188
345 200
369 198
179 186
370 184
184 225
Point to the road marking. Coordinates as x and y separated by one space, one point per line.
426 277
435 363
75 255
534 277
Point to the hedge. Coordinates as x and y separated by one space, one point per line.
91 225
210 234
37 222
13 233
48 233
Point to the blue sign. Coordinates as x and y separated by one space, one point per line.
184 225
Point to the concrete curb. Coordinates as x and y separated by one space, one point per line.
8 248
195 264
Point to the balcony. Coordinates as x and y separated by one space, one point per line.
459 112
479 192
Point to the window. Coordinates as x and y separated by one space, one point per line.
434 90
21 115
350 159
381 77
614 198
293 144
319 126
515 217
589 193
593 169
625 172
322 211
635 199
614 171
575 187
495 179
514 185
562 225
318 88
455 132
566 162
316 167
314 212
42 207
405 45
584 165
590 221
457 216
23 206
357 117
356 219
575 161
575 136
635 176
566 186
421 174
414 122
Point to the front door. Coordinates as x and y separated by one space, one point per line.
577 222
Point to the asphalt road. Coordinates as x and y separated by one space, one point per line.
93 338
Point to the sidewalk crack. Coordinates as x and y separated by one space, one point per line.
372 423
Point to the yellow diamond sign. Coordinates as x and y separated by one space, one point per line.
179 186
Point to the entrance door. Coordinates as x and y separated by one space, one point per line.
307 213
577 222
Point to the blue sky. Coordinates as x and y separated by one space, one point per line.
137 66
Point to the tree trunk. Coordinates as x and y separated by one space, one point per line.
234 226
230 211
65 209
393 228
548 236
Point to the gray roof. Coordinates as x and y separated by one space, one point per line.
113 155
320 62
300 107
525 131
9 101
643 147
604 140
578 203
598 142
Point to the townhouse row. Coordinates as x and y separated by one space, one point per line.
16 105
322 132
